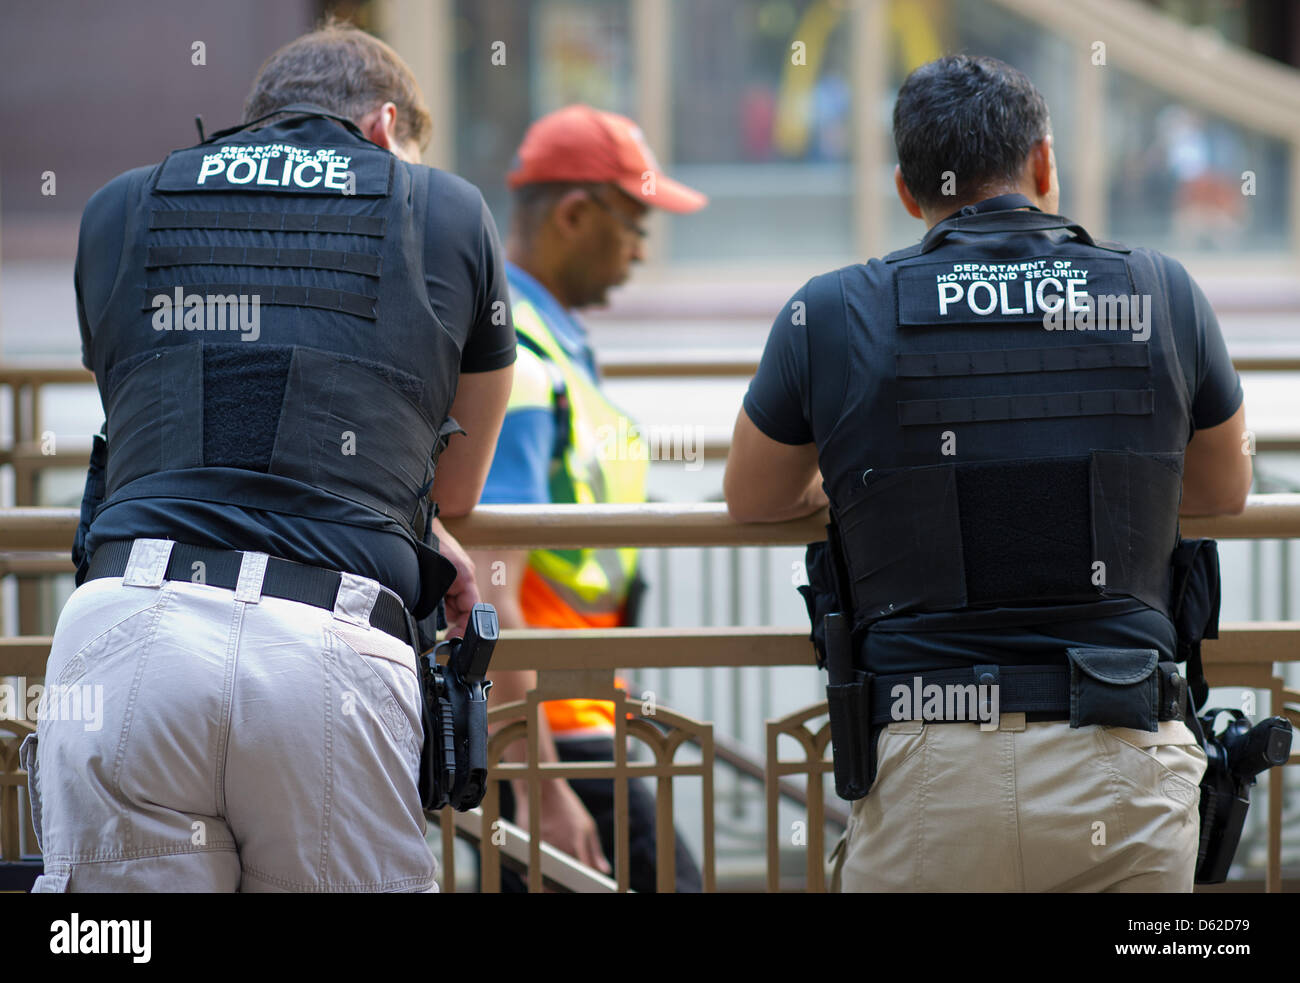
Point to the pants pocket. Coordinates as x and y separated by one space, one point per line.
28 760
51 884
1171 771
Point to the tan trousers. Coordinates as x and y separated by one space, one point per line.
241 742
1028 807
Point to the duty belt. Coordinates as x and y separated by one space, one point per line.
284 579
1040 692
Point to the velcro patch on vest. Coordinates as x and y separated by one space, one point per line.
1069 293
281 167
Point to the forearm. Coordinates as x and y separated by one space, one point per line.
810 500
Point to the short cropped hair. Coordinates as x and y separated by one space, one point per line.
345 70
530 204
971 115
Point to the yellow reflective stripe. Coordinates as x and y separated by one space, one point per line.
606 462
533 386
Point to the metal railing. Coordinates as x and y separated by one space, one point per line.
582 664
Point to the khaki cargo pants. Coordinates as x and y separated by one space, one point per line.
1028 807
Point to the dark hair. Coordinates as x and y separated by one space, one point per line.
969 114
531 203
345 70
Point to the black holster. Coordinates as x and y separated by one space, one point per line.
1194 607
848 701
848 689
91 499
453 759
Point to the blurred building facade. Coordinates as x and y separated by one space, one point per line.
1177 122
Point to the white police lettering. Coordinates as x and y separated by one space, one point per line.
1033 286
276 165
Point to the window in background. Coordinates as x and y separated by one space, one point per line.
932 28
1175 176
556 52
767 139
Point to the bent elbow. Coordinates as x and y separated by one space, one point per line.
739 512
1236 505
456 506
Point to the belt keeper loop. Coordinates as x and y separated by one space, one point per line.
147 564
252 570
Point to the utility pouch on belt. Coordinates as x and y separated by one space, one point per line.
1114 688
848 699
453 760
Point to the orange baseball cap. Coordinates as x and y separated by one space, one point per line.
578 143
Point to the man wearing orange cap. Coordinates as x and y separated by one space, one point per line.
581 184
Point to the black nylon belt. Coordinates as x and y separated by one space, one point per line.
283 579
1040 692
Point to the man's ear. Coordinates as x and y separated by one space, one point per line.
905 196
380 126
570 210
1040 166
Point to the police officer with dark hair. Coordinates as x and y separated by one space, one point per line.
287 323
1006 420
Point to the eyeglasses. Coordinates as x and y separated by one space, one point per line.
631 225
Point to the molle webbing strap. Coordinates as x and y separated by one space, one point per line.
281 295
1018 360
188 218
1026 406
1062 530
366 264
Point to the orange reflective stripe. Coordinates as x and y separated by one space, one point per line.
544 608
579 715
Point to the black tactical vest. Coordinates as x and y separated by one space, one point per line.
270 328
1018 413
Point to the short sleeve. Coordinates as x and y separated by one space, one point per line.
491 341
1217 393
777 398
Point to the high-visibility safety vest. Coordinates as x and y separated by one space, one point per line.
598 457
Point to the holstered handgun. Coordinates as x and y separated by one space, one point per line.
1236 755
453 759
